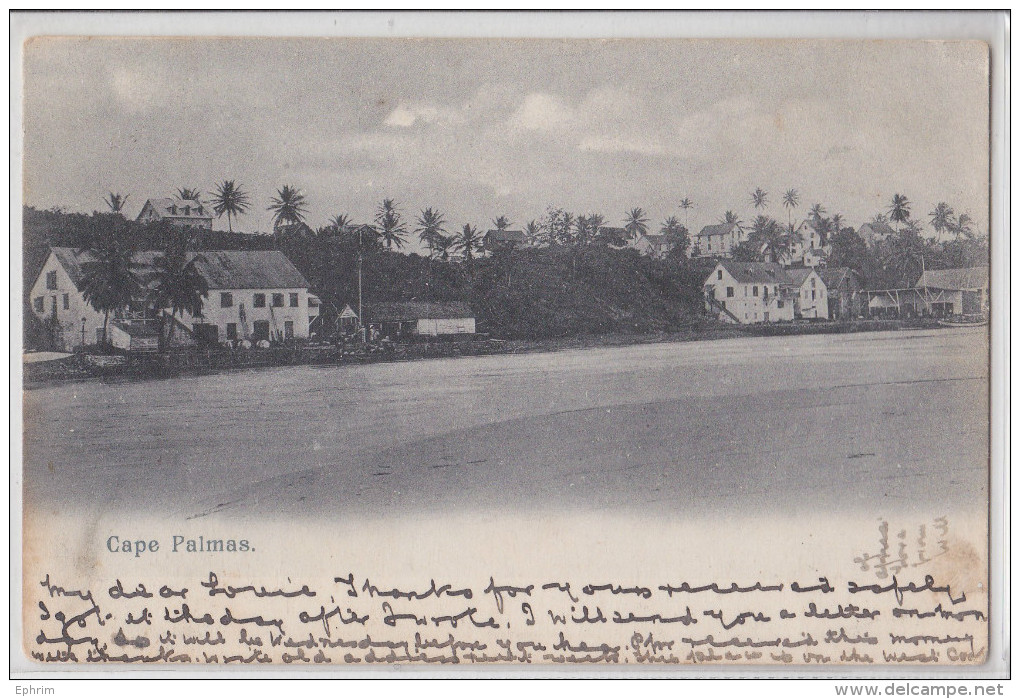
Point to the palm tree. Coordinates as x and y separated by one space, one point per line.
593 223
676 235
501 223
338 224
229 199
817 212
637 224
904 256
533 231
188 194
686 204
759 197
791 200
176 283
469 241
392 230
900 210
962 227
289 207
767 237
109 282
941 218
730 217
431 229
116 202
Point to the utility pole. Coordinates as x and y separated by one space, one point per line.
360 310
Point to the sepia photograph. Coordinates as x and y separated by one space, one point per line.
346 348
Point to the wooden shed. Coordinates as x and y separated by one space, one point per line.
408 319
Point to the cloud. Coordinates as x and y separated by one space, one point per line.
406 116
545 113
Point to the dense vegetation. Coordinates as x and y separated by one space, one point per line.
569 278
528 293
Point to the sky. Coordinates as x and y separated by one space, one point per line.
482 128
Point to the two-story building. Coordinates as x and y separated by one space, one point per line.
810 248
253 295
763 292
182 213
718 240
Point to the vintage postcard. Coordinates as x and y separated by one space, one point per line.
556 351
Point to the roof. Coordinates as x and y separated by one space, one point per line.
222 269
717 229
834 277
755 272
656 238
795 276
250 269
957 279
879 227
416 310
765 273
497 237
165 208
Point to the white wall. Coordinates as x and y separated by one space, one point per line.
213 312
68 320
817 307
747 307
445 326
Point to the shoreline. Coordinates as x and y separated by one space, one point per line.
73 369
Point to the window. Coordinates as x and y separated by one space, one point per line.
226 299
277 300
718 274
756 290
729 292
260 330
779 304
812 282
812 294
745 289
67 301
288 329
231 331
293 300
51 280
54 305
724 304
260 301
37 304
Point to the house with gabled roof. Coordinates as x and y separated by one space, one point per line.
408 319
718 240
253 295
655 245
182 213
496 239
874 231
844 292
763 292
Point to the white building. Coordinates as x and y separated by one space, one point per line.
811 250
763 292
718 240
182 213
253 294
406 319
